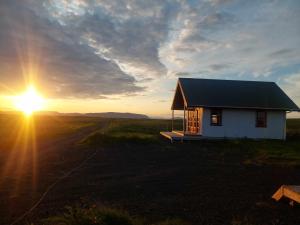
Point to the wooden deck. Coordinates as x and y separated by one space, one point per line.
291 192
179 136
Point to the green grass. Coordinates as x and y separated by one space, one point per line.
42 127
285 153
101 216
89 216
293 129
132 155
130 131
120 131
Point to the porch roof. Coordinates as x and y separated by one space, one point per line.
230 94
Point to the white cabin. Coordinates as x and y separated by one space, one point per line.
230 109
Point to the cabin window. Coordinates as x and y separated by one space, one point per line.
261 118
216 117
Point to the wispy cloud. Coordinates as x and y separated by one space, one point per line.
91 49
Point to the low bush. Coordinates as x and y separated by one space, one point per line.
91 216
101 138
101 216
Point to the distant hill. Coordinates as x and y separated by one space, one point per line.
104 114
118 115
48 113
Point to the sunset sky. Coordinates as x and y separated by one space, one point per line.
126 55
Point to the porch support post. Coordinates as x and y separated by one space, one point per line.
172 119
183 124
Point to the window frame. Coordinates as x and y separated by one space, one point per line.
257 123
219 113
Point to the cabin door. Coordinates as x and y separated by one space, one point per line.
194 121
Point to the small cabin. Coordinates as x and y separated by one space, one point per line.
230 109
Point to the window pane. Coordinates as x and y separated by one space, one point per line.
261 119
216 117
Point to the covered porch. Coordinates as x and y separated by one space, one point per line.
191 128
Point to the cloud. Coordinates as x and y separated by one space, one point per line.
217 20
128 33
291 84
91 49
217 67
281 52
240 40
218 2
85 50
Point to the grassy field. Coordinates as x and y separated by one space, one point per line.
136 170
285 153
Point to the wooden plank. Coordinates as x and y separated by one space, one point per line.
165 134
179 136
289 191
278 194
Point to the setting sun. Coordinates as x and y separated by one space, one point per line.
30 101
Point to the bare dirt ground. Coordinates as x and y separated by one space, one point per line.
199 182
199 186
56 153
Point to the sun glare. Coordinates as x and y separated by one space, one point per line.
30 101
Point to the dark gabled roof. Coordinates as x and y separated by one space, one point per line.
231 94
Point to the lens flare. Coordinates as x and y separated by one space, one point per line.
30 101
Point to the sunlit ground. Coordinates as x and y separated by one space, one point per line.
24 148
22 151
24 140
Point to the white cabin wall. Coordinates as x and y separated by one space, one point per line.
242 124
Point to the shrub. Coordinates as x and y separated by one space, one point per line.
100 216
91 216
98 139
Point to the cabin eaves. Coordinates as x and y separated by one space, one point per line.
231 94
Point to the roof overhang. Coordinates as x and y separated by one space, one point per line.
187 95
245 108
179 100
